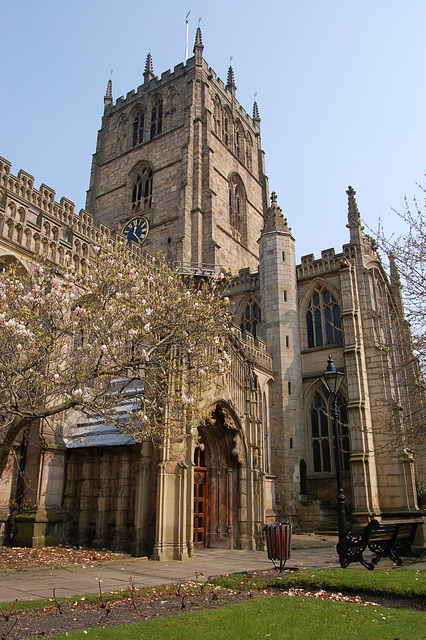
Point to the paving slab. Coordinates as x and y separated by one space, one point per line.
71 580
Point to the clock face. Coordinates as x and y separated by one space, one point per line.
136 230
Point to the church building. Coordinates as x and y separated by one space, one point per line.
179 169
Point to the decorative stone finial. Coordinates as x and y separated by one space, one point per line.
274 220
231 81
108 95
354 218
198 48
256 112
148 74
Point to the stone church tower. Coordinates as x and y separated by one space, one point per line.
179 169
181 152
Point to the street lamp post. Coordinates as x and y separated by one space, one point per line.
332 379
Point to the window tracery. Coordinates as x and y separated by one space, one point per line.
249 151
138 127
237 206
157 118
251 317
226 128
142 190
239 142
323 319
321 427
217 116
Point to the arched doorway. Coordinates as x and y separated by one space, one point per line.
220 485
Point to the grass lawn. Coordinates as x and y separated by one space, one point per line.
274 617
398 581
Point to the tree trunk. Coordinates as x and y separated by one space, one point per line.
12 433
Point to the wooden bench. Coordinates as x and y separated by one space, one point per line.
385 538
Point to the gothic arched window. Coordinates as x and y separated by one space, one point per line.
226 128
251 317
138 125
239 142
142 190
249 148
157 118
323 320
217 116
237 206
321 433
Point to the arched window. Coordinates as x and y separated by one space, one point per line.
239 141
226 128
142 190
321 427
157 118
138 125
237 206
251 317
217 116
249 149
323 320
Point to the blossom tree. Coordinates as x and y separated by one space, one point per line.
406 254
123 329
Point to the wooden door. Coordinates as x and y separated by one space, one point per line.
200 499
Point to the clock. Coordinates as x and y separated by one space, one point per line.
136 230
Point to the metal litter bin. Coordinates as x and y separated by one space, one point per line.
278 542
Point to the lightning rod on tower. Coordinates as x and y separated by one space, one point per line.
186 36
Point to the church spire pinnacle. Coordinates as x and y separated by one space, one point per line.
148 74
395 282
354 219
198 48
256 116
230 85
108 94
274 219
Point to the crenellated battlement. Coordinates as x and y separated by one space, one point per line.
245 281
35 222
329 261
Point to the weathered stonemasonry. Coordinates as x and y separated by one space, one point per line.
182 159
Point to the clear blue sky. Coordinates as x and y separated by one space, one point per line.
340 87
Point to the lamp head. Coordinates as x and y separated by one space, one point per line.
331 378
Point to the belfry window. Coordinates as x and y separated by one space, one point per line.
323 319
239 138
251 318
142 190
138 125
322 434
236 205
157 118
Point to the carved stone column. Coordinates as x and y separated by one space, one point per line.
122 503
143 502
101 540
230 510
86 501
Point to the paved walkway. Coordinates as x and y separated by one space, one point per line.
73 580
